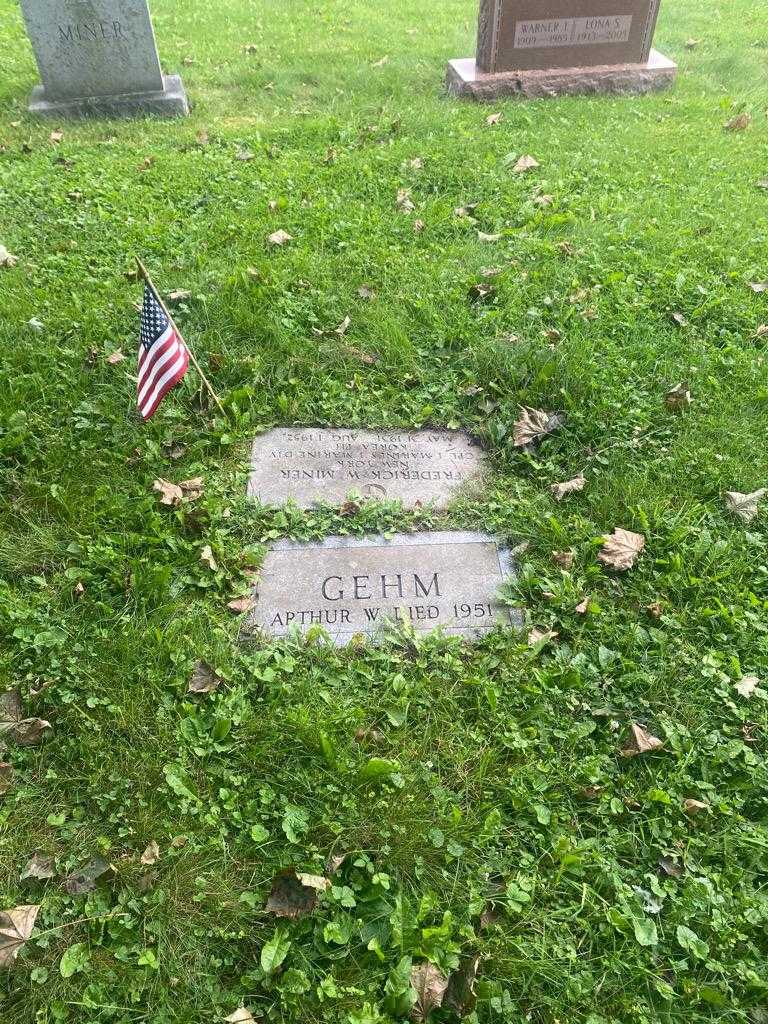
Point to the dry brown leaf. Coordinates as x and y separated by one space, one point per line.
416 164
6 777
762 183
694 806
460 996
244 154
560 490
343 327
679 319
738 123
242 1015
206 556
15 928
418 226
279 237
543 200
204 678
481 291
366 292
483 237
26 732
295 893
746 686
429 983
758 286
38 867
564 559
403 202
465 211
678 397
533 425
202 138
381 61
241 604
525 163
537 636
7 259
146 163
362 357
621 549
170 494
192 488
56 136
745 506
669 866
582 607
641 742
152 854
654 609
179 294
115 358
691 44
493 119
84 880
761 330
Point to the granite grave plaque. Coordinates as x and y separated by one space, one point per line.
319 465
98 57
555 47
348 585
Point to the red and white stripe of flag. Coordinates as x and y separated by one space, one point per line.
160 368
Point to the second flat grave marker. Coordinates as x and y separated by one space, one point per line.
350 585
311 465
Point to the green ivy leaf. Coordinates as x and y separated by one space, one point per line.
274 952
74 960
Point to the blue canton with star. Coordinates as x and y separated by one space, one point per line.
153 320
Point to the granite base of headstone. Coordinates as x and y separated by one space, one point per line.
99 58
540 48
350 586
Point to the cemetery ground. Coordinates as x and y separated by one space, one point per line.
490 819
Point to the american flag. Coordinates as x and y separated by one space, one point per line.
163 356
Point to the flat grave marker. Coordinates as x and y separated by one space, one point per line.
98 57
350 585
562 47
312 465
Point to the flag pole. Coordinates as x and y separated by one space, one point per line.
145 275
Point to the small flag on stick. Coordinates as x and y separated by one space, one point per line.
164 356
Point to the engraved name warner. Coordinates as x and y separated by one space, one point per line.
347 585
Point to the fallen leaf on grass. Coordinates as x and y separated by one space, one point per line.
206 556
758 286
416 164
39 867
738 123
540 636
418 226
582 607
15 928
678 397
244 154
691 44
483 237
564 559
692 807
380 62
204 679
192 488
560 490
26 732
525 163
543 200
7 259
241 605
679 319
279 237
481 291
84 880
170 494
620 550
465 211
152 854
56 136
429 983
343 327
242 1015
745 506
533 425
493 119
146 163
669 866
295 893
760 331
654 609
363 357
460 995
403 202
178 295
762 183
366 292
641 742
746 685
6 776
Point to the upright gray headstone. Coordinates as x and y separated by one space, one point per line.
98 57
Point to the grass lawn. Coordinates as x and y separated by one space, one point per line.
508 825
